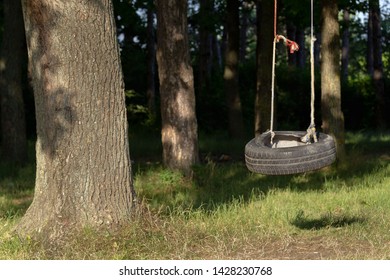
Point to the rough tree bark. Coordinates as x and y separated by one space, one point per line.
230 75
332 116
265 37
179 123
83 175
13 127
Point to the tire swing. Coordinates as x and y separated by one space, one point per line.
290 152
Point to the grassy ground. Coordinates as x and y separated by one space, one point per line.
226 212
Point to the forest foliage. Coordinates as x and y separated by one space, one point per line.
293 83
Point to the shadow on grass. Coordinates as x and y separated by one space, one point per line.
329 220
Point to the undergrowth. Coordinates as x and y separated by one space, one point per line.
226 212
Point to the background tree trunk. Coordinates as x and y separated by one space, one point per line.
179 124
291 32
151 60
83 175
206 28
370 46
236 122
246 9
217 47
377 74
13 53
317 49
265 37
345 45
301 54
332 116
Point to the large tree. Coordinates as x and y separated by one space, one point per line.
83 175
179 123
230 75
332 115
13 53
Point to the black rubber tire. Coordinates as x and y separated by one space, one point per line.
260 157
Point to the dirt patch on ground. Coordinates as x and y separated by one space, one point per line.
315 248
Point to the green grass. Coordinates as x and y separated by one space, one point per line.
226 212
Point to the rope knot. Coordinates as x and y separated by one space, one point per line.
311 135
291 45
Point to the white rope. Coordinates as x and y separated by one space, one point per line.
312 40
311 130
273 87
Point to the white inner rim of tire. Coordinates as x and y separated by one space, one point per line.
285 141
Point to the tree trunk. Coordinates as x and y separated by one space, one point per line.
345 47
179 124
317 49
151 61
217 51
230 75
301 55
265 37
332 116
245 15
377 75
206 28
83 175
370 46
13 127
